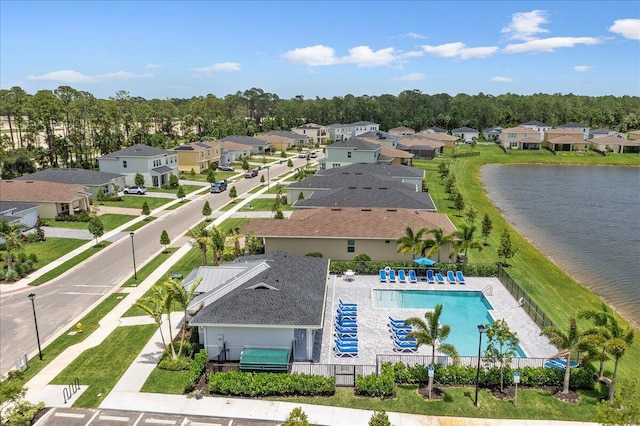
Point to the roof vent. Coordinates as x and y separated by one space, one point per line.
366 210
262 286
392 210
336 210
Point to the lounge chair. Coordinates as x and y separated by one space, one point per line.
563 363
400 333
400 346
383 276
396 321
346 334
460 277
439 278
401 276
395 328
347 340
451 278
344 316
339 345
412 276
346 323
349 351
392 275
347 310
346 306
431 279
345 330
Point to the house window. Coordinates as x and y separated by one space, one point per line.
349 154
124 164
335 165
514 144
351 246
512 135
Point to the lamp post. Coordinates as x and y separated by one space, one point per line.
480 330
268 180
133 250
32 297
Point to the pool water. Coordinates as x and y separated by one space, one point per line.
462 310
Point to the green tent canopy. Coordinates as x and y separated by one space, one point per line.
274 360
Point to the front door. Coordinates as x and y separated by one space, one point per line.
155 181
300 345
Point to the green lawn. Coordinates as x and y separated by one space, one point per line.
136 202
101 367
52 248
263 205
557 293
165 381
110 222
232 223
147 269
140 224
231 205
219 175
187 189
64 267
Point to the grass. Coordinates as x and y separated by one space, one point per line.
90 323
64 267
557 294
178 205
101 367
52 248
231 205
109 220
232 223
145 271
165 381
203 177
263 205
187 189
458 402
140 224
136 202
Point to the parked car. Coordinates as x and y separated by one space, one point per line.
313 154
302 154
251 173
225 168
217 187
140 190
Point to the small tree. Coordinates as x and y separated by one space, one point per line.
566 342
180 193
233 193
262 179
625 409
379 418
96 227
283 154
458 203
39 230
278 215
289 163
501 346
297 417
245 163
443 169
506 249
164 240
211 175
487 226
139 179
145 210
100 195
450 183
206 210
471 215
173 181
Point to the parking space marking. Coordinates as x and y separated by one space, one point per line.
70 415
160 421
114 418
204 424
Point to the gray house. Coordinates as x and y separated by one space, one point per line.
360 127
258 146
155 164
19 214
576 127
466 133
92 180
536 125
274 301
350 151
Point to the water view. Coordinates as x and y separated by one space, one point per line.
585 218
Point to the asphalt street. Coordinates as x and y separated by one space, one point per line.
63 301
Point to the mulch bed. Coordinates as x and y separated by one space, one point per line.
437 393
509 393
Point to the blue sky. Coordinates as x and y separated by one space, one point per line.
181 49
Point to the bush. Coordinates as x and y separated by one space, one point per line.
314 254
80 217
196 368
379 418
237 383
11 275
377 386
178 364
297 417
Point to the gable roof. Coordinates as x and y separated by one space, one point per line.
137 150
286 134
614 140
349 222
72 176
377 135
389 196
534 123
39 191
363 123
355 144
394 153
436 129
247 140
285 291
16 209
464 129
519 129
566 139
309 126
230 146
570 125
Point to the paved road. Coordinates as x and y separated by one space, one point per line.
61 302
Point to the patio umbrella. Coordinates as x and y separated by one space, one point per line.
424 261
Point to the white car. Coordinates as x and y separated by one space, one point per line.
140 190
302 154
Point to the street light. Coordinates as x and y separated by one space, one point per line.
480 330
32 297
133 250
268 180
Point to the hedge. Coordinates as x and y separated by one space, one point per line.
377 386
196 368
237 383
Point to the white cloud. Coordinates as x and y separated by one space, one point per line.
581 68
628 28
75 77
411 77
525 25
312 56
459 49
549 44
153 66
413 35
221 66
410 54
363 57
501 79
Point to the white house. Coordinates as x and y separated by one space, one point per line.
492 133
155 164
360 127
466 133
340 132
19 214
536 125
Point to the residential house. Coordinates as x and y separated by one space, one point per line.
615 144
434 129
602 133
156 165
380 138
634 135
360 127
282 140
340 132
395 156
24 215
536 125
564 140
364 177
492 133
577 127
422 145
197 156
343 233
402 131
319 134
51 198
449 141
350 151
231 151
520 138
258 146
91 180
271 302
467 134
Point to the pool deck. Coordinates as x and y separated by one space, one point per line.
374 337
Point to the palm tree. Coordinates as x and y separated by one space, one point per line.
153 305
429 332
621 339
216 242
565 342
12 241
463 240
182 297
433 245
596 337
200 238
411 242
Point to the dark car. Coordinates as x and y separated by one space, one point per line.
140 190
225 168
217 187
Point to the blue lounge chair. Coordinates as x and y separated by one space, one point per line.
348 351
396 321
412 276
431 279
439 278
392 275
345 330
340 345
346 324
460 277
345 333
400 333
400 346
395 328
342 313
383 276
401 276
346 340
345 319
347 306
563 363
451 278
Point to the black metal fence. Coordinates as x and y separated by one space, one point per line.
531 308
412 360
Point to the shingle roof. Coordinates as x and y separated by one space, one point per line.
569 125
246 140
362 123
287 134
39 191
309 126
534 123
16 208
614 140
369 196
349 222
464 129
72 176
377 135
162 169
356 144
394 153
519 129
293 294
565 139
138 150
231 146
600 131
437 129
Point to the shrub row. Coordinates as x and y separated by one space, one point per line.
372 268
80 217
270 384
196 368
377 386
465 375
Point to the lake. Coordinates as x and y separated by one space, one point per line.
585 218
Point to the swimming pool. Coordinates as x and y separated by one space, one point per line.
462 310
